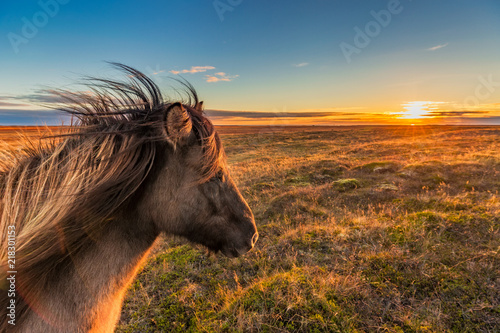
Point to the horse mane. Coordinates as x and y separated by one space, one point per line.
60 195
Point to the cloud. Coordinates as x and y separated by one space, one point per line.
267 114
437 47
157 72
302 64
38 96
194 69
220 76
9 104
451 113
334 109
33 117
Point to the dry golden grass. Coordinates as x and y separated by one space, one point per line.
15 139
369 229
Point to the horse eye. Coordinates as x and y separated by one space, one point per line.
220 176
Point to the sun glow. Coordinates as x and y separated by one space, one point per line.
419 109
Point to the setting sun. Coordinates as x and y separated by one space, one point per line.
418 109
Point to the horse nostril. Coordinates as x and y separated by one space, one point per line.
254 238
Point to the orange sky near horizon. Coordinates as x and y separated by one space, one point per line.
410 113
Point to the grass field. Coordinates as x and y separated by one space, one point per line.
362 229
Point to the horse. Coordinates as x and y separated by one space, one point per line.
86 209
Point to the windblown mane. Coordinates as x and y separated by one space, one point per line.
60 195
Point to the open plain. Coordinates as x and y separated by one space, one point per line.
362 229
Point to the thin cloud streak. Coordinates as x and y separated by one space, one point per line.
450 113
38 96
437 47
302 64
220 76
266 114
193 69
9 104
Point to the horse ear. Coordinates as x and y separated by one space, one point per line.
178 123
199 106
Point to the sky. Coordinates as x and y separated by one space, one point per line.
322 62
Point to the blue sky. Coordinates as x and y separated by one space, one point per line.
429 62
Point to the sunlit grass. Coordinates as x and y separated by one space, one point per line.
392 229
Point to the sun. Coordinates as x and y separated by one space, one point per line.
418 109
415 110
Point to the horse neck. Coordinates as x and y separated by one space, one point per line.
88 296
